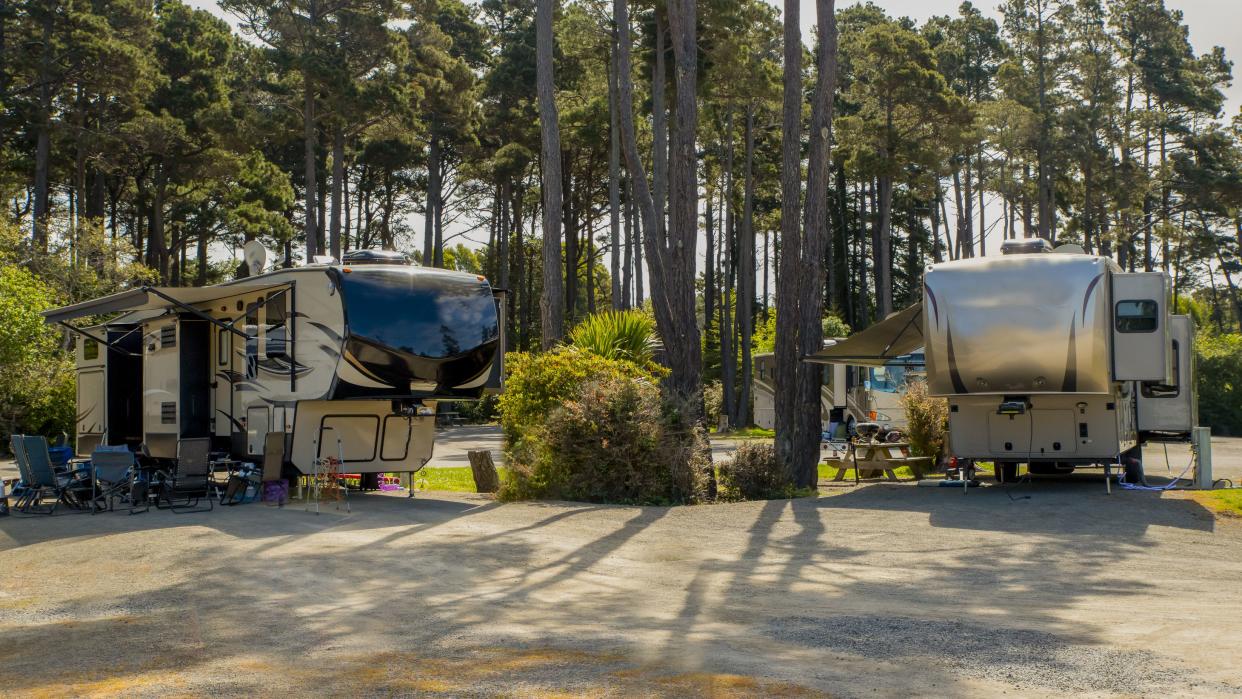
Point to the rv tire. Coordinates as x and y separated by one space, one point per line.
1006 471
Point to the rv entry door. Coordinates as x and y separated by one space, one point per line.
1141 327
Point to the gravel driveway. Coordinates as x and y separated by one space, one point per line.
882 590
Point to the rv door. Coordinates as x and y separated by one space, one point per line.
1141 327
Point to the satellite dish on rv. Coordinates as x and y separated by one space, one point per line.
256 257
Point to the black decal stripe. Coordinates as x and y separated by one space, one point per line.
935 307
1070 383
954 376
1087 297
233 420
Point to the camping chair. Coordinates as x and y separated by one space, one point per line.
190 481
64 487
112 471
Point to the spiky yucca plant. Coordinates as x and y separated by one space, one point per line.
624 335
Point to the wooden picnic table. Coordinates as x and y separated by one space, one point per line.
877 458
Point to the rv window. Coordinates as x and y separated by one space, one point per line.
90 349
1160 390
1137 316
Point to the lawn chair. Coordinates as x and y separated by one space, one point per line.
112 475
63 487
22 491
190 481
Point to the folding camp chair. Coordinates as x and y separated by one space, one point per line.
190 481
66 487
22 491
112 475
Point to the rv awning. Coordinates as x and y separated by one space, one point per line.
152 298
898 334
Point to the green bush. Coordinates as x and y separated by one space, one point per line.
538 383
713 403
616 441
483 411
625 335
37 379
927 420
754 474
1220 382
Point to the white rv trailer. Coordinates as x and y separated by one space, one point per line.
849 394
1056 359
357 352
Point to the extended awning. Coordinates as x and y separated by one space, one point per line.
900 333
153 298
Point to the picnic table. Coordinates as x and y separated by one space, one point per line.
877 458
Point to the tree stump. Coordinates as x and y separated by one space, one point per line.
486 479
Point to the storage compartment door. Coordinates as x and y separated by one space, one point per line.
1140 317
1053 433
1009 434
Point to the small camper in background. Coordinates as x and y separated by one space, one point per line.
849 395
359 351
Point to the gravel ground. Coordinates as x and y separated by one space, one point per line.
881 590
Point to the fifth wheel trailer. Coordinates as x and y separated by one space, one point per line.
1056 359
357 352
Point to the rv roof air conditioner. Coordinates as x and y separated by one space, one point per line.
374 257
1025 246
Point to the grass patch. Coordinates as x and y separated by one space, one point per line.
829 471
458 479
746 433
1222 501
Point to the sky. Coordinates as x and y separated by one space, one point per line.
1211 22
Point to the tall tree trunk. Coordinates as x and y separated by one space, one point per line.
728 245
709 268
310 135
43 143
614 179
983 228
884 255
786 360
659 130
552 310
746 271
627 284
808 418
433 199
338 189
679 258
640 188
437 245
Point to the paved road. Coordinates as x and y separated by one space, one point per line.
881 590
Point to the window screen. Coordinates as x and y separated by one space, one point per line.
90 349
1137 316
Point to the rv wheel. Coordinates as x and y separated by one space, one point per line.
1006 471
